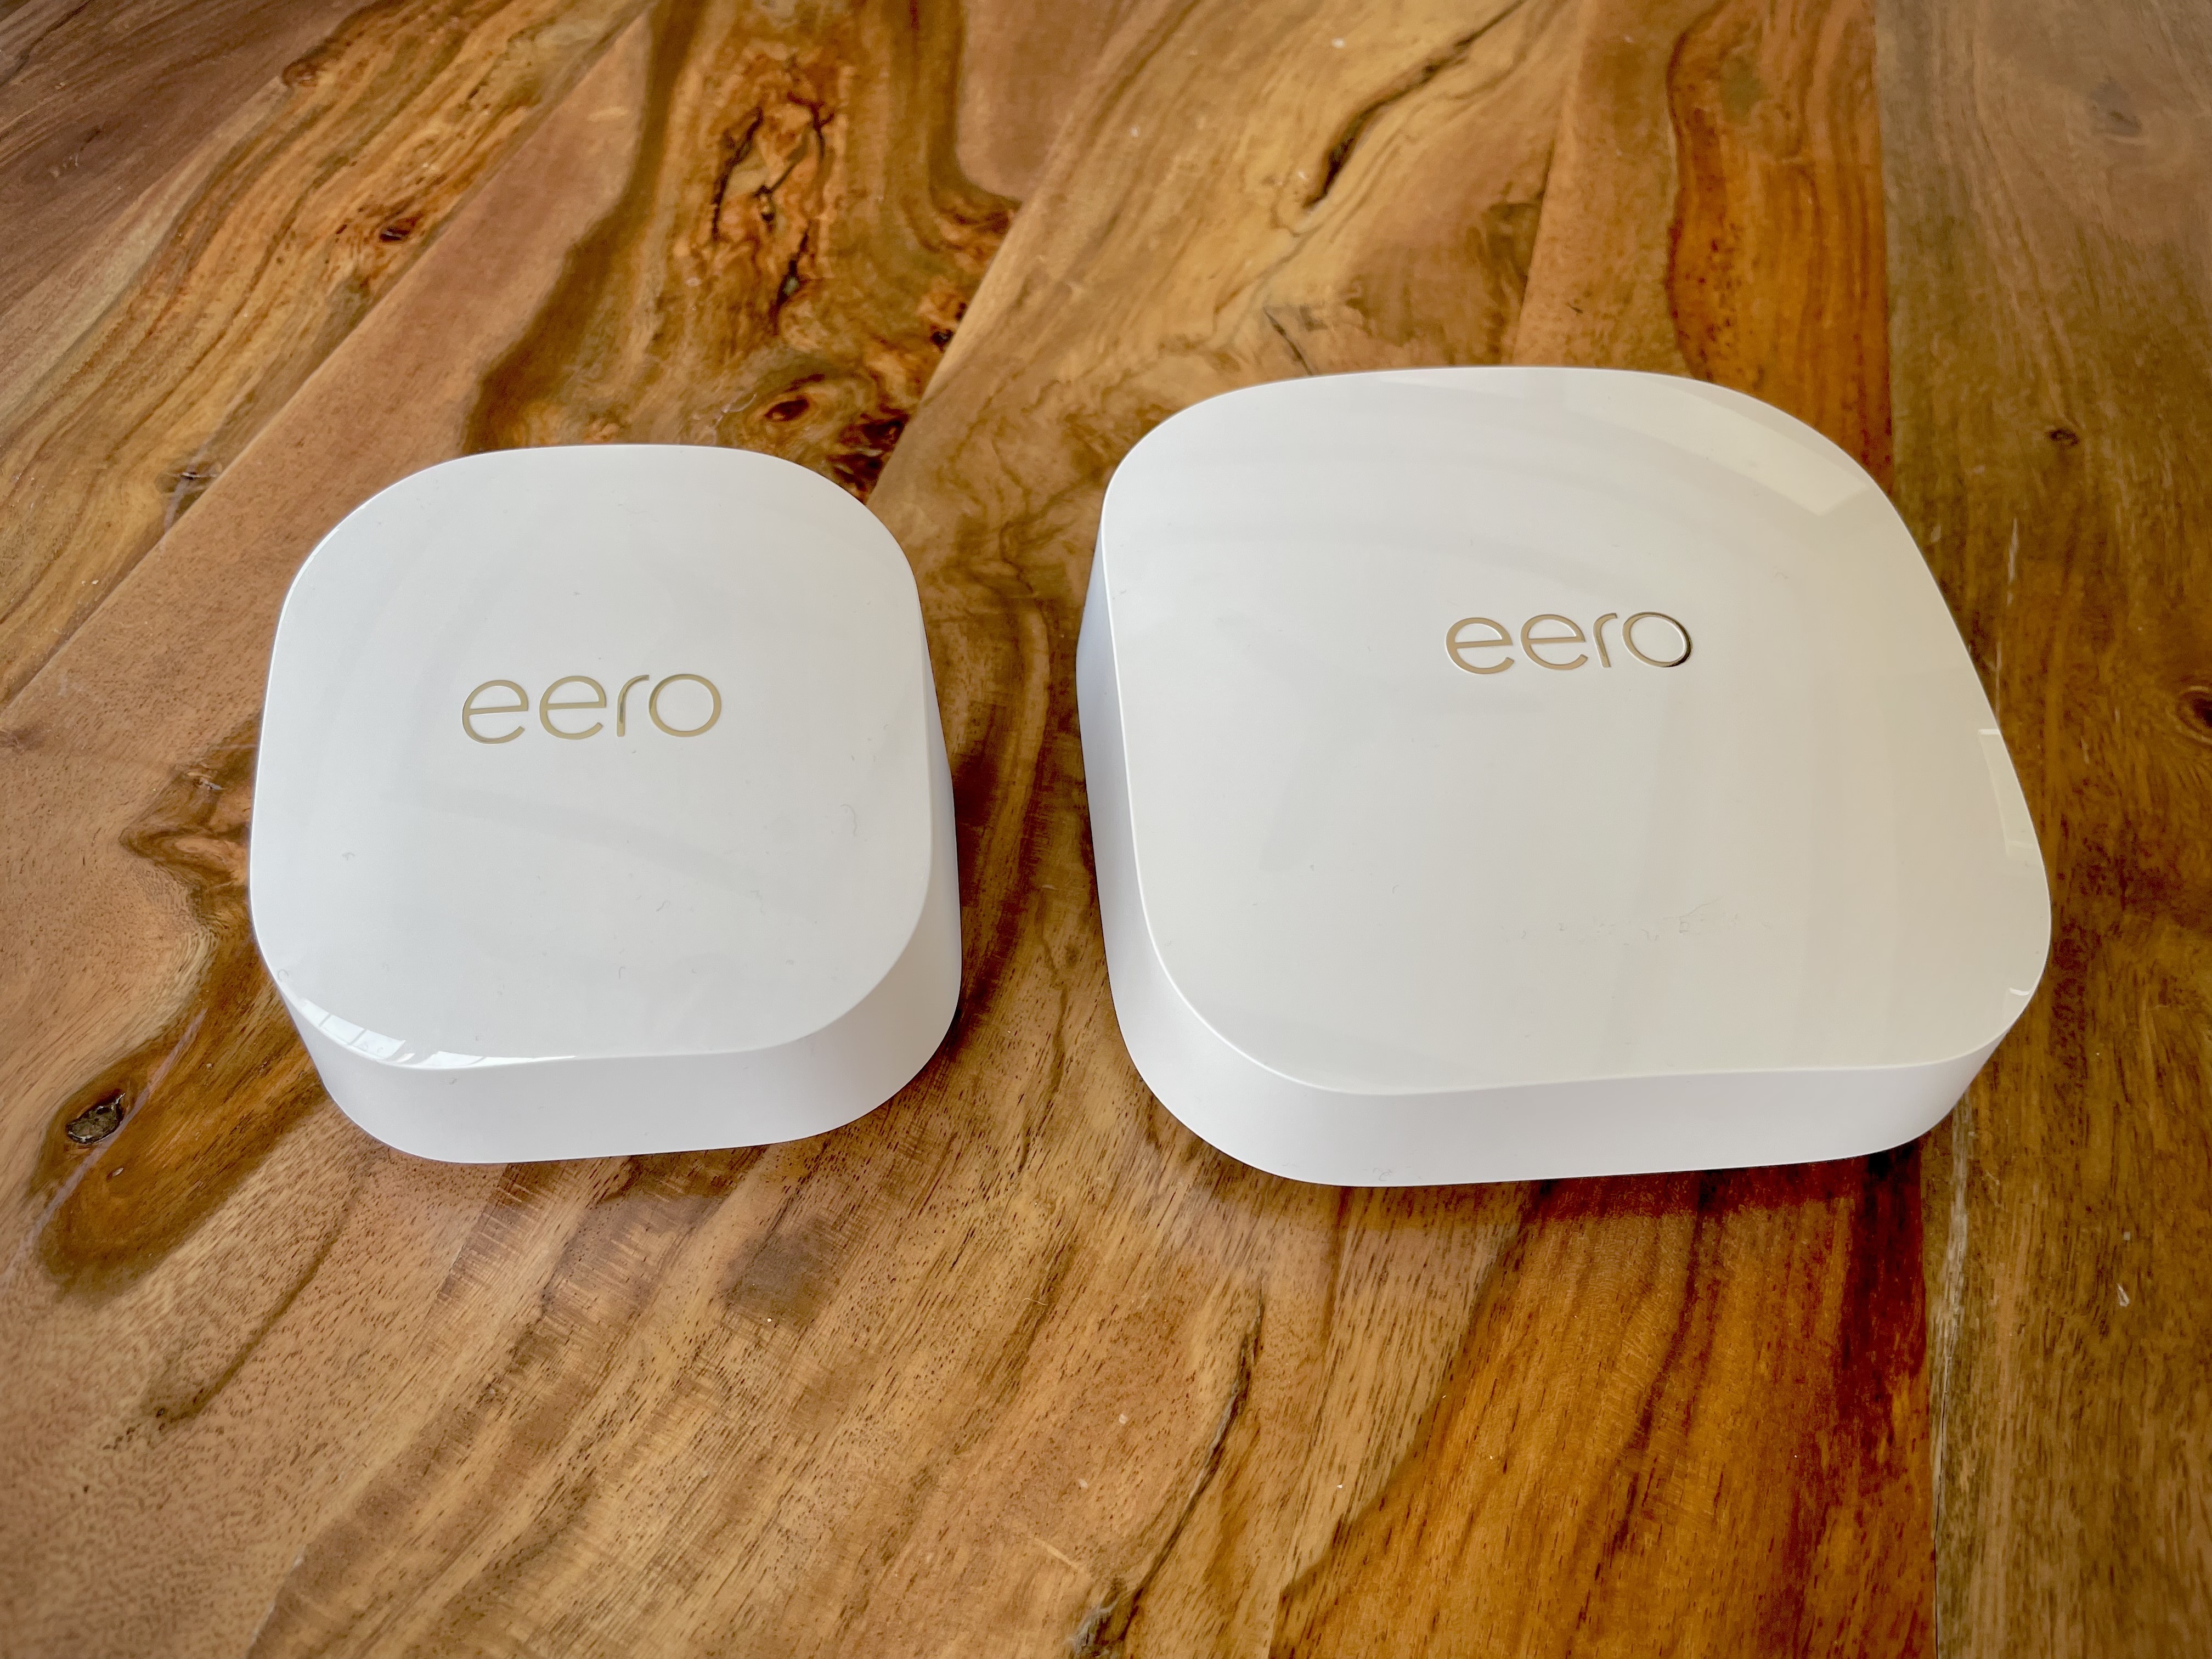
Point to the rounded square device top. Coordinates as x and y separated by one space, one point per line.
601 807
1505 772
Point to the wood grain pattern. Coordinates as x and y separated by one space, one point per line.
789 260
108 112
2054 399
101 105
1668 1493
312 213
1714 209
1023 63
97 1235
1015 1364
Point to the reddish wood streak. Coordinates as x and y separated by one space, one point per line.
1778 278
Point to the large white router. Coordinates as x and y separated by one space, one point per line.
602 808
1500 774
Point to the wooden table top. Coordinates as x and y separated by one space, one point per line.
1015 1364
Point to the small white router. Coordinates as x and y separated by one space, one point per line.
602 808
1500 774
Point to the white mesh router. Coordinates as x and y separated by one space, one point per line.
602 808
1505 772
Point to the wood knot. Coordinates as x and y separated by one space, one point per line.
2065 436
97 1121
789 409
2196 711
2114 112
863 447
398 230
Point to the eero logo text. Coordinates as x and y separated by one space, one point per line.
548 705
1473 642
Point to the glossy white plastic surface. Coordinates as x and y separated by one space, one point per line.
1378 910
700 892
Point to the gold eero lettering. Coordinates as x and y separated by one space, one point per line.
1483 644
474 709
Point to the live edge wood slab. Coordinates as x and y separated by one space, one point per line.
1015 1364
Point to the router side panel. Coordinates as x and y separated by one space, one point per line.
555 1109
